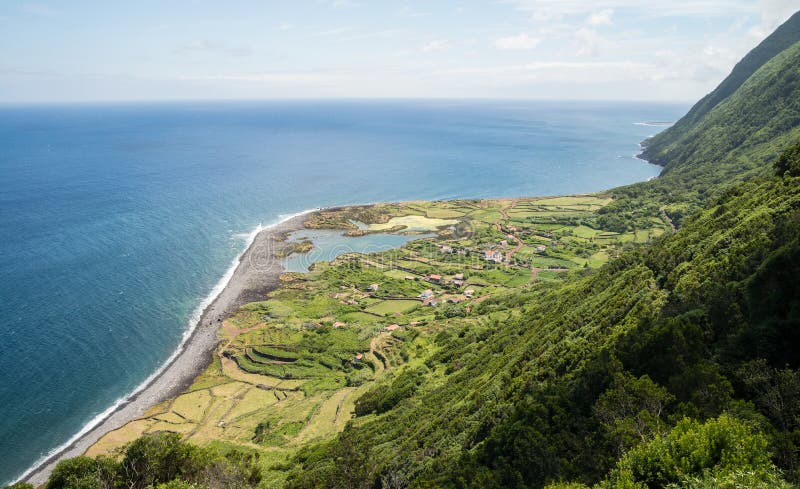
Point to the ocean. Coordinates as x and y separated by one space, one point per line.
118 220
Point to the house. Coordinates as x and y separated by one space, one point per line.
458 276
492 255
457 299
409 277
430 301
358 358
339 324
446 249
393 327
458 282
469 292
540 248
504 243
434 278
374 287
427 294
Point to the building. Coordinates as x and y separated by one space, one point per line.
434 278
540 248
446 249
458 282
458 276
339 324
374 287
431 301
358 358
427 294
409 277
457 299
469 292
492 255
392 327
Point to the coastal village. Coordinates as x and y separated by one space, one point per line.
290 369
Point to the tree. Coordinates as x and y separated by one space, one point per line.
83 473
158 458
788 163
630 409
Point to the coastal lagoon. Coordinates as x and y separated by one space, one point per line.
119 220
329 244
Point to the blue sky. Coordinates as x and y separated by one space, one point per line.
241 49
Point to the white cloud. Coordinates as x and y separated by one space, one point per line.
275 78
589 42
773 14
602 17
437 45
520 41
568 72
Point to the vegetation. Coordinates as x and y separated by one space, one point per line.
162 461
559 382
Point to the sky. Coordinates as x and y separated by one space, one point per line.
659 50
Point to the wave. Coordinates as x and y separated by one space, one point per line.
193 322
654 123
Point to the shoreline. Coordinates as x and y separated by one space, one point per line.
252 274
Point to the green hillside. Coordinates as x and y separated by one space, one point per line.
658 148
731 142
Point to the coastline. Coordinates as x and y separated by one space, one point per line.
253 273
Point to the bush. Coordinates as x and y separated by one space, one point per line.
83 473
721 449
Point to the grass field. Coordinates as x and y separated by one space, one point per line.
413 223
389 307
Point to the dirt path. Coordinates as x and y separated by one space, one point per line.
504 213
667 218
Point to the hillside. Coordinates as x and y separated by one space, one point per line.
732 141
659 148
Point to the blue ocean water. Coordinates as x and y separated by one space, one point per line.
117 220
